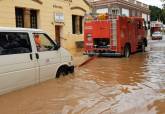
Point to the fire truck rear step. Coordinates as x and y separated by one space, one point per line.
103 54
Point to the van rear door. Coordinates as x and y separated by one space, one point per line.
17 66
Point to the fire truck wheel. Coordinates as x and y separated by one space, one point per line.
127 51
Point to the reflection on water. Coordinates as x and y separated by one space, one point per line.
104 86
158 105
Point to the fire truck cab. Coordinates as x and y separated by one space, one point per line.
114 35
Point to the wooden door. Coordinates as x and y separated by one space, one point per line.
58 34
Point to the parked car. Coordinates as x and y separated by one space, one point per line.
157 36
30 56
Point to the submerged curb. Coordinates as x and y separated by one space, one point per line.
87 61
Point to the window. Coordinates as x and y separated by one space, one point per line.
77 24
26 18
115 11
43 42
125 12
14 43
132 1
138 14
33 18
81 24
73 24
133 13
19 17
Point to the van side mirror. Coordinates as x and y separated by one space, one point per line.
57 46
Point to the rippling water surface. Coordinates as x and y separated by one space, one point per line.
104 86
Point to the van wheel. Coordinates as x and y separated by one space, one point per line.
63 71
127 51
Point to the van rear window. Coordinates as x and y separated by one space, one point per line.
14 43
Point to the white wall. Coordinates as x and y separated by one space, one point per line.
149 18
102 10
144 16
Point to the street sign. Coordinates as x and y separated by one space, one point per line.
59 17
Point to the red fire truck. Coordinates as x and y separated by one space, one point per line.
114 35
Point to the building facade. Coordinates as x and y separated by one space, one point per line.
61 19
121 7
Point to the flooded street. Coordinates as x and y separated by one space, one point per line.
104 86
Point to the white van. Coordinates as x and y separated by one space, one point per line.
29 56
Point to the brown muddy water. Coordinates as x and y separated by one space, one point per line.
104 86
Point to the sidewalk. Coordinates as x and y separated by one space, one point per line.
78 57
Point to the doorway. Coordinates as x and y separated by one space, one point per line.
58 33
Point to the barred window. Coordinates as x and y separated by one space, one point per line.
33 18
26 18
19 17
115 11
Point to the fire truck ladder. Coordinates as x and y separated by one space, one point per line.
113 30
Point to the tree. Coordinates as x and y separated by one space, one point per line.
163 3
157 14
162 16
163 11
